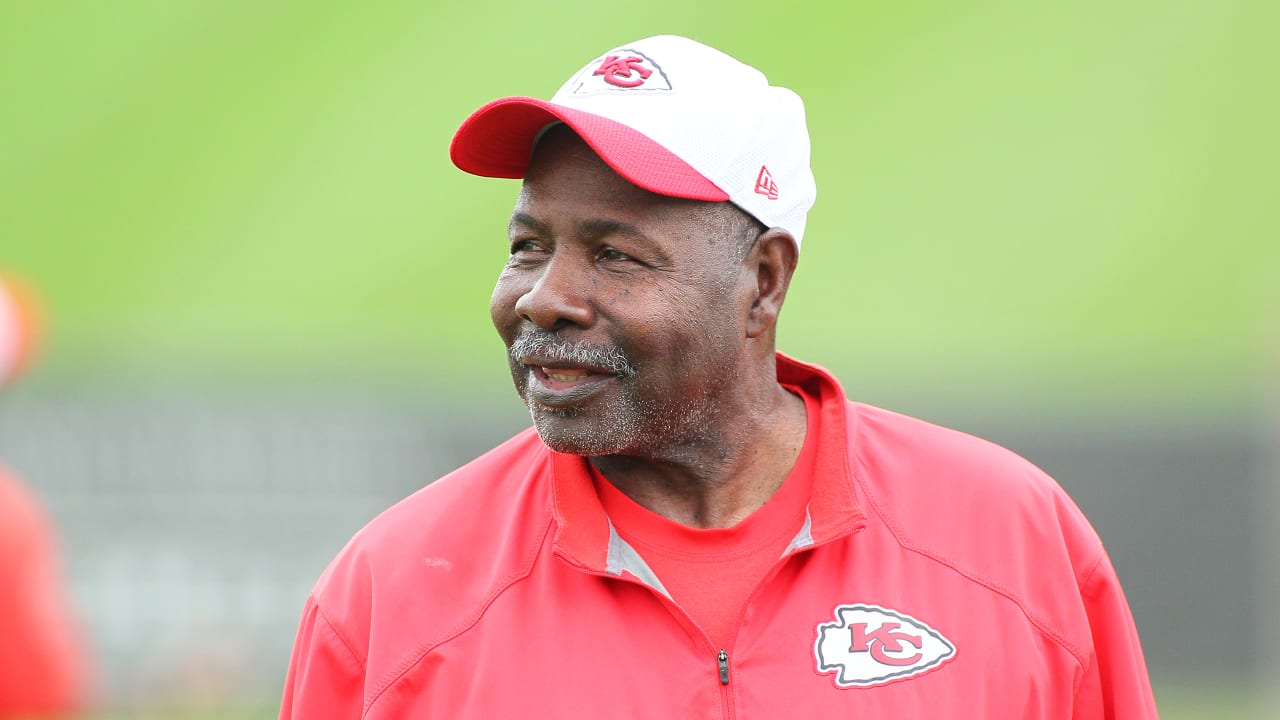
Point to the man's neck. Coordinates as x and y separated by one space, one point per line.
722 478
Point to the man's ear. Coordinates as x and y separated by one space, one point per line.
773 261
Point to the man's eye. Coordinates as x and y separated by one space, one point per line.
518 246
612 254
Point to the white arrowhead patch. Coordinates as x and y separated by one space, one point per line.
622 70
870 645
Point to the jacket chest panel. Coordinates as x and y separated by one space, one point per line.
831 633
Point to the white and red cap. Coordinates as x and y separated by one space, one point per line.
672 116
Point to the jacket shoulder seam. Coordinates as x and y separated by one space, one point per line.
1041 624
333 627
1037 621
1093 570
400 671
1086 587
1079 685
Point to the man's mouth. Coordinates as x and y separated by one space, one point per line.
555 373
564 385
565 375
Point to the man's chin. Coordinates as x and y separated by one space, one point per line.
575 433
569 442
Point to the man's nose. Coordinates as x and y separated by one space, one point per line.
558 298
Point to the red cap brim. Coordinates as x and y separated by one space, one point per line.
497 141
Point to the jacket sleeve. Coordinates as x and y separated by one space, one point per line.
326 677
1115 685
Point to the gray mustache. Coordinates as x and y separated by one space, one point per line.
548 345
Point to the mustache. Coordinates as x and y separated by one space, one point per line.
545 344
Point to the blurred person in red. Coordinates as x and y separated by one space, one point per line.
42 666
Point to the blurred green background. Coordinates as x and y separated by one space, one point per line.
1068 198
1023 207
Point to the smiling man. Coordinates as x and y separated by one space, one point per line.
638 335
698 525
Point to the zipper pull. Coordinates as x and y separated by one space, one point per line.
723 657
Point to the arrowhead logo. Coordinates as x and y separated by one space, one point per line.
869 645
621 70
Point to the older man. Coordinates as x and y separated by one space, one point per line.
697 525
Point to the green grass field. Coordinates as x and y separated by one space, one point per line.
1066 200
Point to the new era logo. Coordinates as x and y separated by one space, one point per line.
869 645
765 184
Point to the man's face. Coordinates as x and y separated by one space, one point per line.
624 311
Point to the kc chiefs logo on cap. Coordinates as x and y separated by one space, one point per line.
621 70
869 645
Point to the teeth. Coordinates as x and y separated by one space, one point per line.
564 375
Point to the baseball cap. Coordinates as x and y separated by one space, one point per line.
670 115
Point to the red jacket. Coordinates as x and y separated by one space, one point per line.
42 669
937 576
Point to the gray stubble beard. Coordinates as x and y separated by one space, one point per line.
628 425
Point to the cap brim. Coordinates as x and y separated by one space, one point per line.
497 141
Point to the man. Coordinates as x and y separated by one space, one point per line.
697 525
42 668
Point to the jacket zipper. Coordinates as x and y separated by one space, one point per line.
722 657
726 692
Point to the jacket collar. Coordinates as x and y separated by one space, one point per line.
585 536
